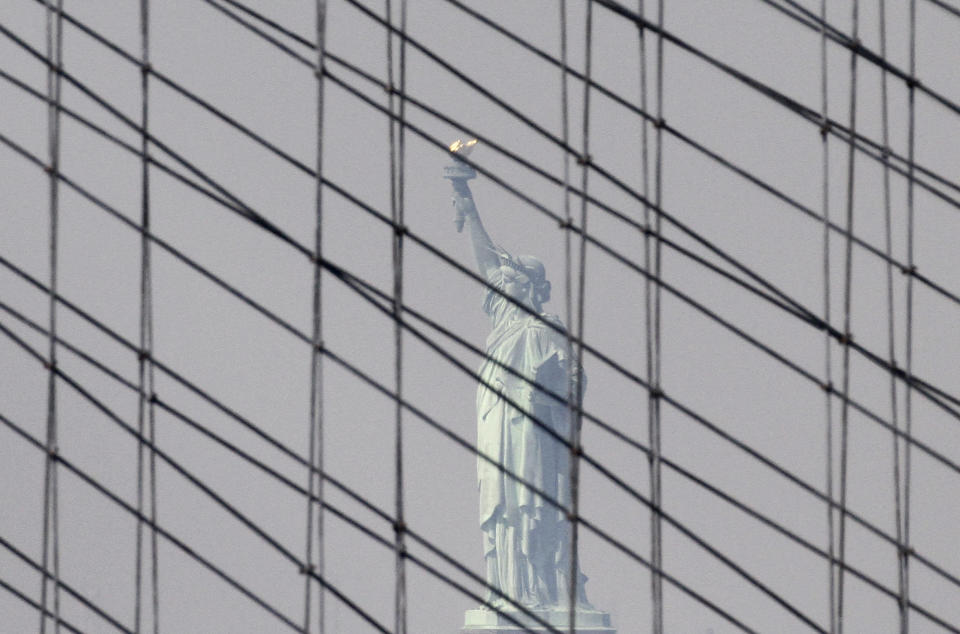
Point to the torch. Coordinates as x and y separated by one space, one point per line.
459 172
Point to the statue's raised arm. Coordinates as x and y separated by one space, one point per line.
483 247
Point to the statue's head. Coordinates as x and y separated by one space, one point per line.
525 279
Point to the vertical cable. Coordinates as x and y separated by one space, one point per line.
396 128
575 448
314 480
145 411
891 338
848 291
51 531
828 361
653 457
572 383
911 269
653 353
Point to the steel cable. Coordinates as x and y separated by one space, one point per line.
891 328
930 392
846 338
908 414
306 339
672 401
603 90
464 443
196 482
385 297
43 611
66 464
87 603
315 428
51 529
800 310
269 470
827 344
574 435
655 387
396 129
847 301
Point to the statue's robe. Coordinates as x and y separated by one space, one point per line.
526 539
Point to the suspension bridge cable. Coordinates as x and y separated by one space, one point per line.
294 331
146 420
272 472
574 373
43 611
871 356
383 307
807 113
601 89
908 414
827 344
206 432
385 296
574 435
639 497
203 430
930 392
304 338
855 46
231 205
652 413
642 112
51 529
275 474
700 308
341 192
315 428
586 523
131 346
593 165
834 128
908 387
87 603
198 483
66 464
259 220
655 388
276 545
394 129
847 300
506 152
891 328
801 110
943 5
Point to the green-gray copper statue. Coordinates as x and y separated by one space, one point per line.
526 539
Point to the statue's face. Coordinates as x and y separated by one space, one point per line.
515 284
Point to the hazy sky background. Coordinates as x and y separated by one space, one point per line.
262 372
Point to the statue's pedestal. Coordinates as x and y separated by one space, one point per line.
486 621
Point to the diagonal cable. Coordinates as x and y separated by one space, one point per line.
936 395
87 603
667 398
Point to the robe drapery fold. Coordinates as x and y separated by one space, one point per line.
526 539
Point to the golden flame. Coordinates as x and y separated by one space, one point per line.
459 147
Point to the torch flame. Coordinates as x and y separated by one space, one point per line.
461 147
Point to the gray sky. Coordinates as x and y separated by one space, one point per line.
262 372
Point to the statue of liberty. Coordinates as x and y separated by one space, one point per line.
526 539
